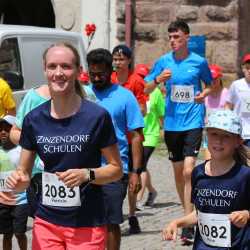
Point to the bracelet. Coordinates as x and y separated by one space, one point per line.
90 175
136 170
156 82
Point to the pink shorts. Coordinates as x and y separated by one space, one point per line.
47 236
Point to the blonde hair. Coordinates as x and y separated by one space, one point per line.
78 86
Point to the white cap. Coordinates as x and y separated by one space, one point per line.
9 119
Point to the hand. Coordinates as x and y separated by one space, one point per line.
199 98
134 183
239 218
18 181
73 177
8 198
170 231
164 76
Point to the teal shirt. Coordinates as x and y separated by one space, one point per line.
31 100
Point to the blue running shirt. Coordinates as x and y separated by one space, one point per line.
125 113
181 112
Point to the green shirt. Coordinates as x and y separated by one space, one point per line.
155 110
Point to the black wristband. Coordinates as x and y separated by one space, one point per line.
156 82
91 175
136 170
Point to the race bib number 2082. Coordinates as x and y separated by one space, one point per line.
215 229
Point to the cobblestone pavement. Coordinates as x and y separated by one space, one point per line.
153 219
166 208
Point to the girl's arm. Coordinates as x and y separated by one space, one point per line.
170 230
239 218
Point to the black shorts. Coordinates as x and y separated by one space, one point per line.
147 152
13 219
114 195
183 143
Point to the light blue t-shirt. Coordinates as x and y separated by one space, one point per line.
31 100
125 113
181 112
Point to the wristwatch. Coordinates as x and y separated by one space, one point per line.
135 170
91 175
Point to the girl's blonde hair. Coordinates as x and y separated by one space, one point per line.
78 86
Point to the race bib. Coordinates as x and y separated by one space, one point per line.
55 193
215 229
3 177
182 93
245 105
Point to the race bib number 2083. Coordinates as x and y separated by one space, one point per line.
55 193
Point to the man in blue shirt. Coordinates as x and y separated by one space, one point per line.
182 71
126 117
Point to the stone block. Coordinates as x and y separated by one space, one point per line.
120 13
149 12
146 32
146 52
216 30
120 32
187 13
215 13
225 54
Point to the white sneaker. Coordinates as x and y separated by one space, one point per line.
139 206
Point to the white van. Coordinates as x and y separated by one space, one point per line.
21 50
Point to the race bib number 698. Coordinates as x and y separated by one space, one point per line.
182 93
55 193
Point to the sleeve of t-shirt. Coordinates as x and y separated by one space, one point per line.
155 71
27 139
139 91
107 136
206 75
231 94
193 181
8 100
160 105
24 108
133 113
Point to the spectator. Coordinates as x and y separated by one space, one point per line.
13 210
239 98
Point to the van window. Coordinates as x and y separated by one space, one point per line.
10 65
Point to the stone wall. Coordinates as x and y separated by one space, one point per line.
217 20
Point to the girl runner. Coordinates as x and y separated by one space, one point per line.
220 190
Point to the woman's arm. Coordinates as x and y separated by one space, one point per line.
105 174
